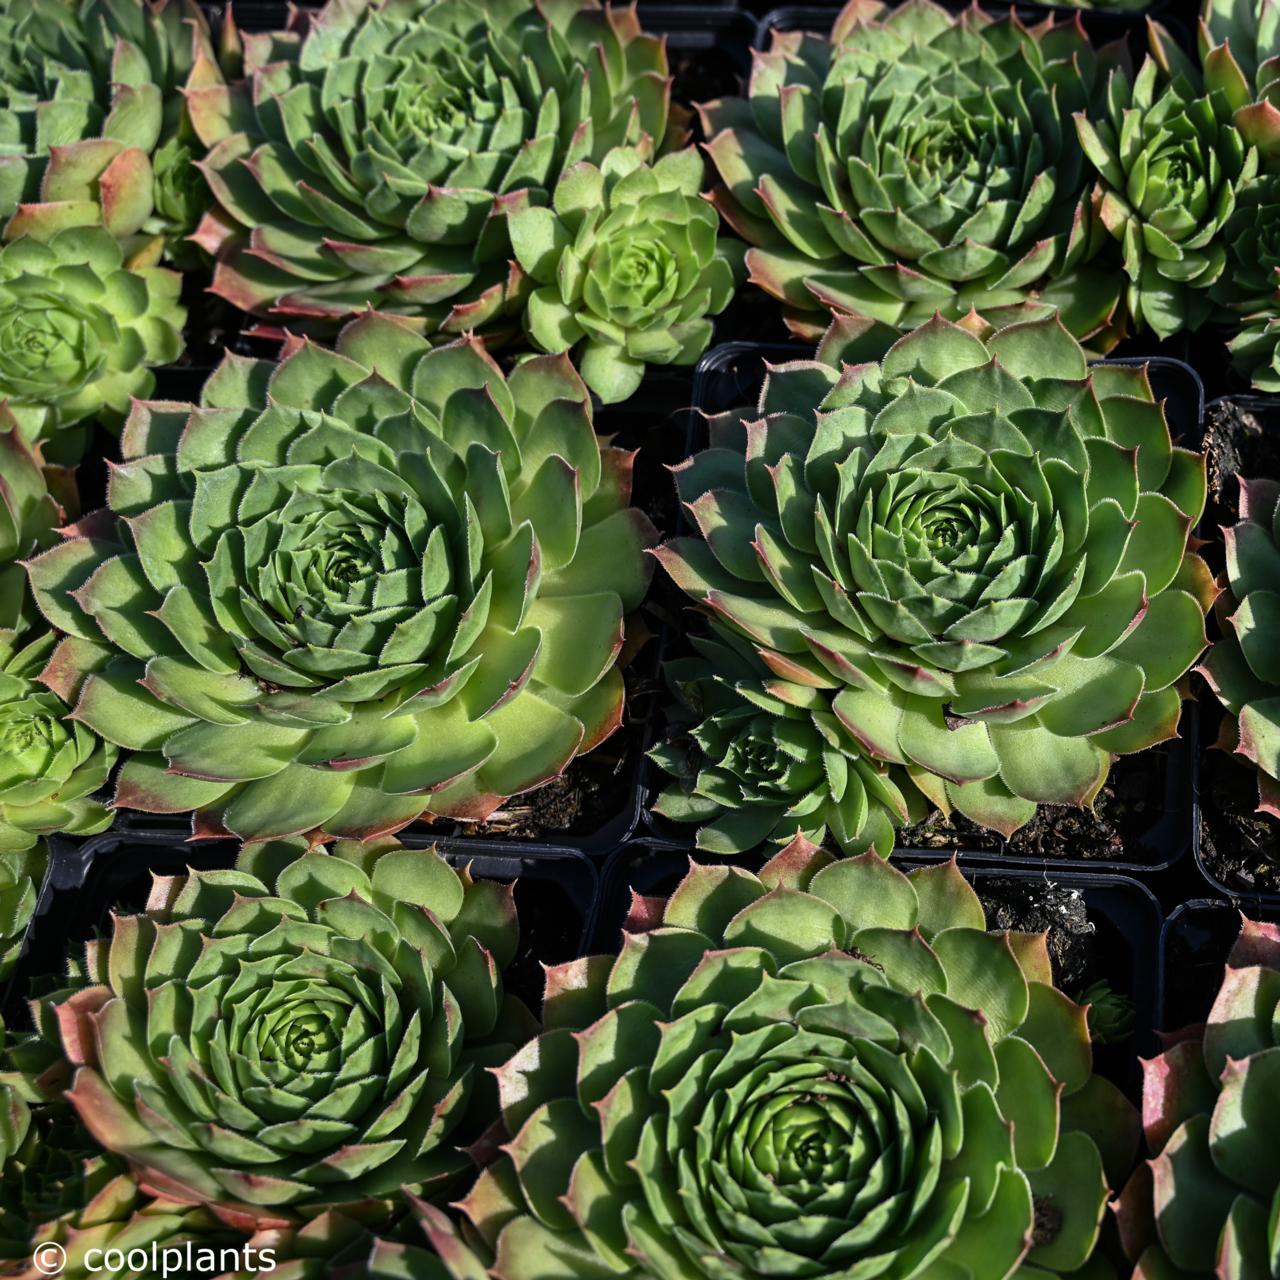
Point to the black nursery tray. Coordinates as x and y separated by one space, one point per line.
556 896
1149 796
1115 937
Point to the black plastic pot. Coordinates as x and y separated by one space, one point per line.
1194 943
1233 848
1125 914
556 895
731 374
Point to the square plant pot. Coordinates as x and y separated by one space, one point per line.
1148 823
556 897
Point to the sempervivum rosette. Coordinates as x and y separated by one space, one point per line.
916 161
829 1070
80 332
374 151
352 587
305 1032
755 758
979 548
1205 1203
93 119
1243 666
628 266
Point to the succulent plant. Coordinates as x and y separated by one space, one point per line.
1239 56
627 267
762 759
916 162
352 587
977 550
1171 165
34 500
375 149
826 1070
1112 1017
1242 667
80 332
1203 1203
21 874
93 120
306 1032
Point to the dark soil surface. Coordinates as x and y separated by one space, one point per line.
1241 438
1037 906
1121 827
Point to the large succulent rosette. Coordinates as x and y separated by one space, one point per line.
351 587
1243 666
1205 1203
755 758
376 148
93 119
916 161
628 267
306 1032
1170 166
977 550
828 1070
80 332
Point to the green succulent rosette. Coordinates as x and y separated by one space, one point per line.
977 551
351 588
827 1070
1243 667
80 332
94 127
917 161
627 267
374 150
755 759
1171 166
34 500
1204 1203
307 1032
1248 291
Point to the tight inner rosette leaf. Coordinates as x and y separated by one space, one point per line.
977 550
830 1070
376 149
761 758
80 332
628 267
1205 1203
917 161
1243 666
305 1032
94 128
351 588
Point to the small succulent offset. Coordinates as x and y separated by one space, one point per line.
1171 166
1204 1204
306 1032
1243 667
375 149
627 267
917 161
80 332
976 550
50 766
762 759
93 120
830 1068
1249 288
1112 1017
352 587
